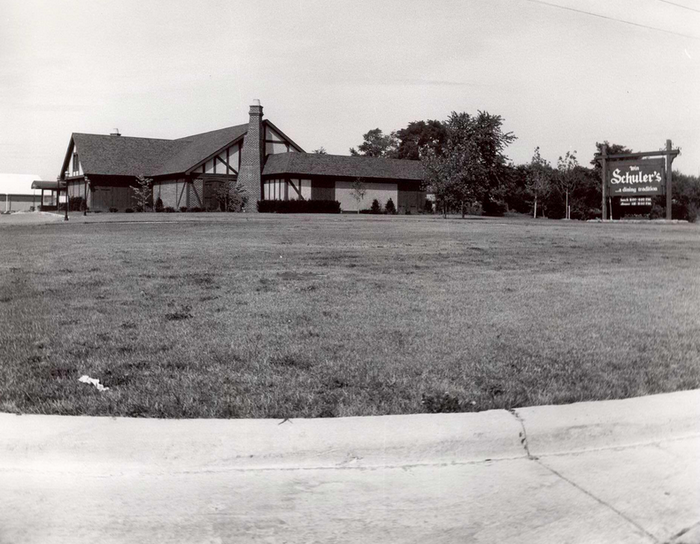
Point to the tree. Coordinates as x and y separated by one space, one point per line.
568 177
471 165
376 144
539 179
420 135
375 208
612 149
390 208
231 196
358 192
143 193
320 151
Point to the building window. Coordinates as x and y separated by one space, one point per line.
76 163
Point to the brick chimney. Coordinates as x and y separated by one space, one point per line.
252 157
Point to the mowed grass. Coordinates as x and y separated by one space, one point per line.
236 316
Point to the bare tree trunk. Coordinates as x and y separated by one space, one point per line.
462 209
534 215
568 216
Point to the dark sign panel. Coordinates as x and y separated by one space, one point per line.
636 178
635 201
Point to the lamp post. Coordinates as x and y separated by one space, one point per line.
65 218
87 183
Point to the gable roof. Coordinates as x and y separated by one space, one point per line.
129 156
316 164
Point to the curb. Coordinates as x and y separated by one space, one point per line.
611 423
96 444
36 441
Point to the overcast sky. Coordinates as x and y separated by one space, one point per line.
326 72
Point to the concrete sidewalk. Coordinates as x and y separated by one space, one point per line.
612 471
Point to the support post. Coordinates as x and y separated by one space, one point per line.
604 158
669 175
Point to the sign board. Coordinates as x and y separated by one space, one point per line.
635 178
635 201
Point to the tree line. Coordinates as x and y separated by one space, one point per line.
469 173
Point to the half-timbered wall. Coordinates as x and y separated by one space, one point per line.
228 162
292 189
74 166
276 143
180 193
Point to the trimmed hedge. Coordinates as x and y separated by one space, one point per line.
298 206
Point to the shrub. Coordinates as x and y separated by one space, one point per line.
128 210
183 208
159 205
76 203
298 206
196 209
169 209
692 214
139 209
440 403
390 207
113 210
428 206
657 212
376 208
494 208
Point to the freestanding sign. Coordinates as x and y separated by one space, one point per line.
627 178
636 178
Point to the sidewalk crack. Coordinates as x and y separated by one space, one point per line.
523 441
680 533
522 434
600 501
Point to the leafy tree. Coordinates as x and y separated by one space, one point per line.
419 135
143 193
320 151
568 177
376 144
471 165
358 192
375 208
231 196
539 179
686 196
612 149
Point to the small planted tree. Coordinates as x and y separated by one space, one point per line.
231 196
375 208
539 179
143 192
568 177
390 208
358 192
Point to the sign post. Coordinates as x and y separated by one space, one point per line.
633 176
669 174
604 153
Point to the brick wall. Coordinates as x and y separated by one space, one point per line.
251 158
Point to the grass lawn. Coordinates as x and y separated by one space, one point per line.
233 315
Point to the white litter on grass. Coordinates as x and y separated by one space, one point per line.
94 381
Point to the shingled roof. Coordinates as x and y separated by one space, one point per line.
128 156
316 164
